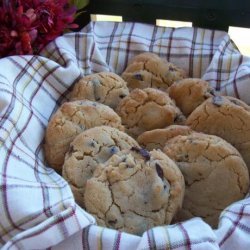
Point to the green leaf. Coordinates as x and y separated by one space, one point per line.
79 3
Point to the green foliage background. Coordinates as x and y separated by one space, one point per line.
79 3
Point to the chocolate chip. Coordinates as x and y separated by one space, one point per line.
122 96
98 99
155 211
129 166
112 222
217 101
143 152
159 170
138 76
92 144
113 150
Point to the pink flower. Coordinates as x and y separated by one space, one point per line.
26 26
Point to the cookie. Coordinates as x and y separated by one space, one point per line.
135 190
147 109
70 120
189 93
91 147
157 138
104 87
238 102
227 118
149 70
143 57
214 172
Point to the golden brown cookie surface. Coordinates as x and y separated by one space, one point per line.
91 147
227 118
104 87
147 70
135 191
157 138
147 109
214 172
70 120
189 93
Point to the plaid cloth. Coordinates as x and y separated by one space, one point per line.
37 208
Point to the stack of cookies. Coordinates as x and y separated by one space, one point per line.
150 147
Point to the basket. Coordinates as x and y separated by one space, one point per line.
37 208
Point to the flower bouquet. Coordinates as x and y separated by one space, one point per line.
26 26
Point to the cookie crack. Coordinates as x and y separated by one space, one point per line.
108 92
124 180
199 179
102 77
115 80
96 214
222 158
242 121
206 112
117 141
226 114
113 199
145 214
238 181
69 117
155 75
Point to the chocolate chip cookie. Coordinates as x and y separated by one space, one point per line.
70 120
91 147
227 118
104 87
148 109
135 190
149 70
157 138
189 93
214 172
